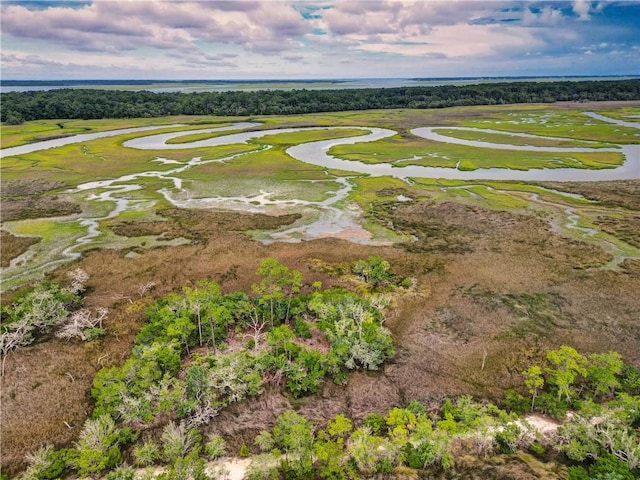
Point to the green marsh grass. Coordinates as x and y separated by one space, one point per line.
296 138
414 151
627 114
555 123
103 159
515 140
38 130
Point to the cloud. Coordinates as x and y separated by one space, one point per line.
376 37
112 25
582 9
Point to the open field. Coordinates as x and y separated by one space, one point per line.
502 270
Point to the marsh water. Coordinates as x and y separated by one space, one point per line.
316 153
323 218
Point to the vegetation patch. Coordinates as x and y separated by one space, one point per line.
621 193
13 246
556 123
535 314
507 139
200 225
40 207
295 138
414 151
626 229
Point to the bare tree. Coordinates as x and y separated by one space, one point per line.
12 339
78 280
81 320
257 326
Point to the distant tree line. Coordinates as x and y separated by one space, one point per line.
94 104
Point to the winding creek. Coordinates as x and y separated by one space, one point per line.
330 219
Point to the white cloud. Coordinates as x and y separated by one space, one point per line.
479 41
582 8
330 37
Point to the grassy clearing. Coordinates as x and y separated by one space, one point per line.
271 171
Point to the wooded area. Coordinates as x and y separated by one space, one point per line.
95 104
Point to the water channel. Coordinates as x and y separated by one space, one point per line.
330 220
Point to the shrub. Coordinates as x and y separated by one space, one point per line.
146 454
244 451
178 441
97 447
215 447
122 473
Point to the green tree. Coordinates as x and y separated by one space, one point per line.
178 441
215 446
374 270
294 435
533 380
368 450
97 447
569 364
603 370
244 451
340 426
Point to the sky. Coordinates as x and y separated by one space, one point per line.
314 39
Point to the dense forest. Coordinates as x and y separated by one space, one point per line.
94 104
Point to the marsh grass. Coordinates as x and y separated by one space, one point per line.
38 130
13 246
414 151
516 140
296 138
489 234
555 123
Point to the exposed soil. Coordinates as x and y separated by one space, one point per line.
471 325
12 246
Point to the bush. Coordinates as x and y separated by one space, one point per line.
146 454
537 448
46 464
122 473
262 467
301 329
244 451
178 441
375 422
215 447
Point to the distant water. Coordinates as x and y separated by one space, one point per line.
191 86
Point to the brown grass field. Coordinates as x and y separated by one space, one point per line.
491 283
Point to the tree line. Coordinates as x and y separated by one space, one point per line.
95 104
